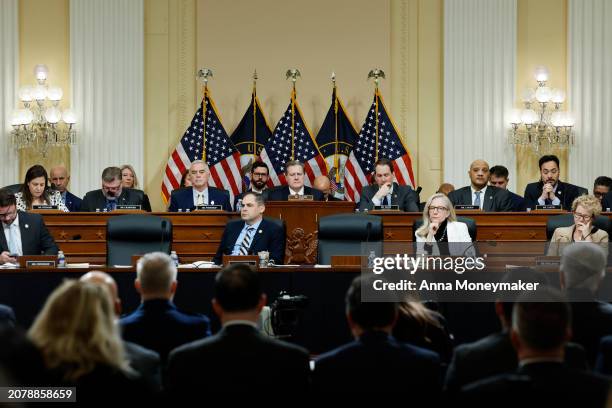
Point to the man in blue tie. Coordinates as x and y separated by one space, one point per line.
478 193
252 233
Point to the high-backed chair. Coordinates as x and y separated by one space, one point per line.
565 220
13 188
343 234
471 225
136 234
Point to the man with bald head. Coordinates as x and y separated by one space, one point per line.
323 184
144 361
478 193
60 179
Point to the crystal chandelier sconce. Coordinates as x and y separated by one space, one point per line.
40 124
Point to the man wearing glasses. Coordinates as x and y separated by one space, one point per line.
259 180
112 194
550 190
23 233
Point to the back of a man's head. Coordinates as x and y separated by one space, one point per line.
583 266
541 320
237 288
107 281
156 275
369 315
522 274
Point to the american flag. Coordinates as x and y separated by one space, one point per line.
360 164
277 151
222 157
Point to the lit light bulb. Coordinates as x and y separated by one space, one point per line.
541 74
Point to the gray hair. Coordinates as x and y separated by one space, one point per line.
583 265
199 162
111 174
294 163
156 272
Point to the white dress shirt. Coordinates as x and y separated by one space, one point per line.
16 235
483 192
204 193
378 201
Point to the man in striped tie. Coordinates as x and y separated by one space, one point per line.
252 233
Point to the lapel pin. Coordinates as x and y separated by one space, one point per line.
26 226
559 192
260 231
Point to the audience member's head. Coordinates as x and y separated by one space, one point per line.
541 325
383 172
34 187
505 300
60 178
128 176
238 294
76 330
498 176
365 316
259 175
323 184
583 266
156 276
294 173
111 182
107 281
199 173
549 169
479 174
253 207
602 186
8 206
446 188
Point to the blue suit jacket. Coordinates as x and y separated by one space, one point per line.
268 237
566 193
158 325
183 199
518 202
73 202
282 194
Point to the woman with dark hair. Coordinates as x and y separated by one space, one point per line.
35 191
185 180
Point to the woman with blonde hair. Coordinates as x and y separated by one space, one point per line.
128 177
80 342
440 222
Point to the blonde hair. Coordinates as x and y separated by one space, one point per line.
130 168
76 330
590 202
422 231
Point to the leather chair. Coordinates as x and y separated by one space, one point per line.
471 224
13 188
343 234
136 234
565 220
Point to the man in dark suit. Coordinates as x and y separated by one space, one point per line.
23 233
294 174
602 186
386 191
550 190
259 180
498 177
200 193
606 203
494 354
144 361
603 365
323 184
541 326
238 359
252 233
59 180
158 324
376 360
582 269
7 316
112 194
488 198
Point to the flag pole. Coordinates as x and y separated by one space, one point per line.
203 75
336 155
376 74
293 74
254 115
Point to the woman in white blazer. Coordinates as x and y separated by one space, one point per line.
440 225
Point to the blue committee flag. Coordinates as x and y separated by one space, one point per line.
252 133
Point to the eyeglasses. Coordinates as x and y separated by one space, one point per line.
582 217
260 174
440 209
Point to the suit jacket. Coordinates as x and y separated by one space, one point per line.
237 359
35 238
378 361
518 202
7 317
282 194
456 231
73 202
146 363
264 194
268 237
183 199
160 326
606 202
565 235
550 384
403 196
496 199
603 365
95 199
566 192
493 355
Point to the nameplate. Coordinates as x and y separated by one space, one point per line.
296 197
548 207
387 207
40 264
209 207
252 260
44 207
129 207
466 207
548 260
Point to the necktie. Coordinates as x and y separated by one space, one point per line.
111 205
200 200
548 201
12 244
385 201
246 241
477 199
